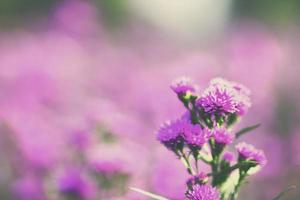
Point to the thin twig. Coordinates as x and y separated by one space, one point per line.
149 194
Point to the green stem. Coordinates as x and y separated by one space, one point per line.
187 163
237 187
195 153
204 160
215 170
230 169
215 162
196 164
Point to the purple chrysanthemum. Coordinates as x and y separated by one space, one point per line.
228 156
170 130
249 152
183 85
194 135
170 133
203 192
223 96
222 136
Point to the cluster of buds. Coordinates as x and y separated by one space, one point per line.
203 133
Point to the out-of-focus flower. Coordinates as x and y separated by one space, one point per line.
222 136
249 152
80 139
73 183
203 192
228 156
223 97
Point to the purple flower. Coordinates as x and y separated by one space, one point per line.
203 192
173 133
228 156
170 133
194 135
80 139
183 85
223 96
74 183
170 130
249 152
222 136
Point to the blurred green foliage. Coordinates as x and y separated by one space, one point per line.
22 11
115 11
275 12
286 119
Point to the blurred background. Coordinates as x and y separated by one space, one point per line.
84 85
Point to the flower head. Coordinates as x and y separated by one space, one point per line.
228 156
203 192
170 133
222 136
223 96
75 184
195 136
80 139
249 152
183 85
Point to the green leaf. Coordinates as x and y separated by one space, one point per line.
284 192
149 194
246 130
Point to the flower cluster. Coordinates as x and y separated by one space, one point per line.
209 122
